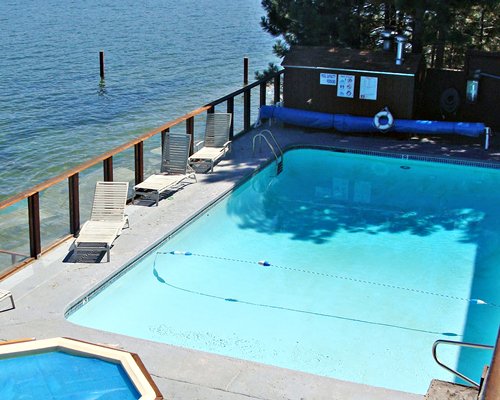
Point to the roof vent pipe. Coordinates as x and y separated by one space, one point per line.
387 36
400 49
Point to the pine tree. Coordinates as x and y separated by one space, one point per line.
443 30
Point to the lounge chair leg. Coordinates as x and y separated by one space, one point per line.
5 294
108 250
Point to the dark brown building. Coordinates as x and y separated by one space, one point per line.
347 81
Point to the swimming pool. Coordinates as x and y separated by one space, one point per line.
345 265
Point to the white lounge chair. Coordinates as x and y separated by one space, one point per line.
174 167
216 143
4 294
107 218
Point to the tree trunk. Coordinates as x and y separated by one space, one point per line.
387 14
417 44
481 31
440 48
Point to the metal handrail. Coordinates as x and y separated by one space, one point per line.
261 135
279 160
267 141
461 344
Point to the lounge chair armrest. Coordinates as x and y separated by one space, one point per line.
227 146
198 144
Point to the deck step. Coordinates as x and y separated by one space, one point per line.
441 390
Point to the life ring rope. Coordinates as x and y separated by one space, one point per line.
383 115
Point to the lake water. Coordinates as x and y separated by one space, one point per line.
163 58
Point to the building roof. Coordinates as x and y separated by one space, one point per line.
323 57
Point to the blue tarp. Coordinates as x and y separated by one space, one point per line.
350 123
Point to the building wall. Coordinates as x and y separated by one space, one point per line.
444 97
408 90
302 90
487 107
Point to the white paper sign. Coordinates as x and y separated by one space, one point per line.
328 79
368 88
345 87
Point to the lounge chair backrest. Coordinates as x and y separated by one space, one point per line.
175 153
110 199
217 129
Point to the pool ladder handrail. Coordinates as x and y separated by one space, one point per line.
461 344
279 159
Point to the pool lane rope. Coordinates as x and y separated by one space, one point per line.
266 263
277 307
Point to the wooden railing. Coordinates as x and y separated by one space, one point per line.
72 175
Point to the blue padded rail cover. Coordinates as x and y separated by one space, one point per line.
350 123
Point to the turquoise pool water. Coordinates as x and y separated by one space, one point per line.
60 375
344 265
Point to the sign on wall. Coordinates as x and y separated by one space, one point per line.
345 86
368 88
327 79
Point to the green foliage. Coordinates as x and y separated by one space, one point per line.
313 22
268 72
441 29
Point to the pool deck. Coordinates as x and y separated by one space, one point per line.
45 289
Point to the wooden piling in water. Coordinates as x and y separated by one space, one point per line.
101 64
245 70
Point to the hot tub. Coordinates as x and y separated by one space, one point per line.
65 368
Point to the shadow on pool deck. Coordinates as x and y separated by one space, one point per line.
48 287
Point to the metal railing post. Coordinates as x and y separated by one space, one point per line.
163 139
246 110
34 225
263 88
277 89
190 131
74 204
230 110
107 165
139 162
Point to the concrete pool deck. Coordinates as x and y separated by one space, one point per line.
45 289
